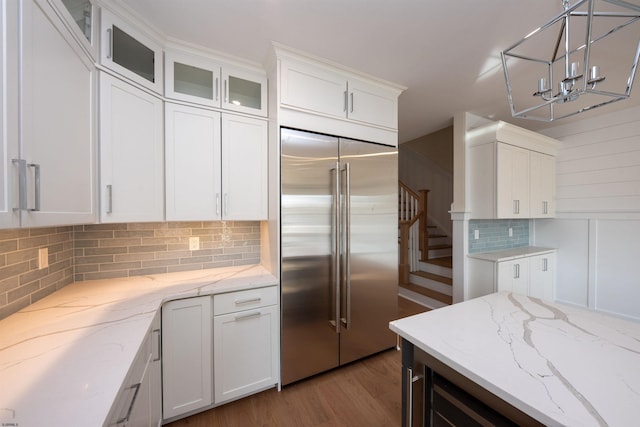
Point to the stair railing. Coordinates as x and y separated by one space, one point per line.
413 237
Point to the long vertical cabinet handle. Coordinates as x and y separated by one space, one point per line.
351 95
217 204
409 406
109 199
346 101
159 347
36 168
22 184
226 94
347 246
217 89
110 43
516 271
336 262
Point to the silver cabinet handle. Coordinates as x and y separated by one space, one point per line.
133 401
217 204
545 207
36 168
352 102
248 315
110 43
159 347
109 199
336 248
516 271
545 264
248 300
345 102
22 183
217 89
516 206
226 93
347 248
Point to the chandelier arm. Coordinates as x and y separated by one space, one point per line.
634 68
555 52
624 4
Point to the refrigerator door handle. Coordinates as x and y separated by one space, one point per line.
347 247
336 244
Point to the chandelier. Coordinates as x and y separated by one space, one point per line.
584 58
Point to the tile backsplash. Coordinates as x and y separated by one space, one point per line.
494 234
98 251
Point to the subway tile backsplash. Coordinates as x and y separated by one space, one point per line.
100 251
494 234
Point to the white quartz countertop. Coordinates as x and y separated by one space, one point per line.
560 364
509 254
64 358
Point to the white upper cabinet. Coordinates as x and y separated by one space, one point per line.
244 168
244 91
131 153
55 133
127 51
512 173
543 185
327 91
192 78
193 186
206 81
80 16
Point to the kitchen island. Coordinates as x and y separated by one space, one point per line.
63 359
519 359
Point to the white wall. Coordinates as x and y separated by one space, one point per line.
597 229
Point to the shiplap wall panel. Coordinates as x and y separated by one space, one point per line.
598 164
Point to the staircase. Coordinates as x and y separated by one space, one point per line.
425 253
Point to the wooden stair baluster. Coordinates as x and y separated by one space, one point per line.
424 230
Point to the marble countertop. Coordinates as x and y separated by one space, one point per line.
560 364
509 254
64 358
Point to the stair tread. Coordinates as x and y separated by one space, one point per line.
446 299
435 236
446 261
436 277
443 246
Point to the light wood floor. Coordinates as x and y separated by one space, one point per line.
364 393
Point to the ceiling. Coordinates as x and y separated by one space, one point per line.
446 52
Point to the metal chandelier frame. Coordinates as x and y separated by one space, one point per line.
573 84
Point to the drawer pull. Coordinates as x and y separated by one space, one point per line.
247 301
133 401
248 315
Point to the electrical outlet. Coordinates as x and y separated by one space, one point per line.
510 232
476 234
43 258
194 243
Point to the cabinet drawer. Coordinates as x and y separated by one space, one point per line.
244 300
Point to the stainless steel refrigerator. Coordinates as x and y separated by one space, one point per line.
339 237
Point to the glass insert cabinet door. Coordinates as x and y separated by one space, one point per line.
130 53
192 78
82 13
244 91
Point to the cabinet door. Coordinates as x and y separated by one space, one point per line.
512 181
192 79
542 281
244 168
513 276
245 352
372 104
57 121
187 360
131 153
80 16
130 53
244 91
155 374
9 131
543 185
192 141
313 88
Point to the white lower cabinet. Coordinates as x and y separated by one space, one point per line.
187 377
220 348
138 403
245 341
530 274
